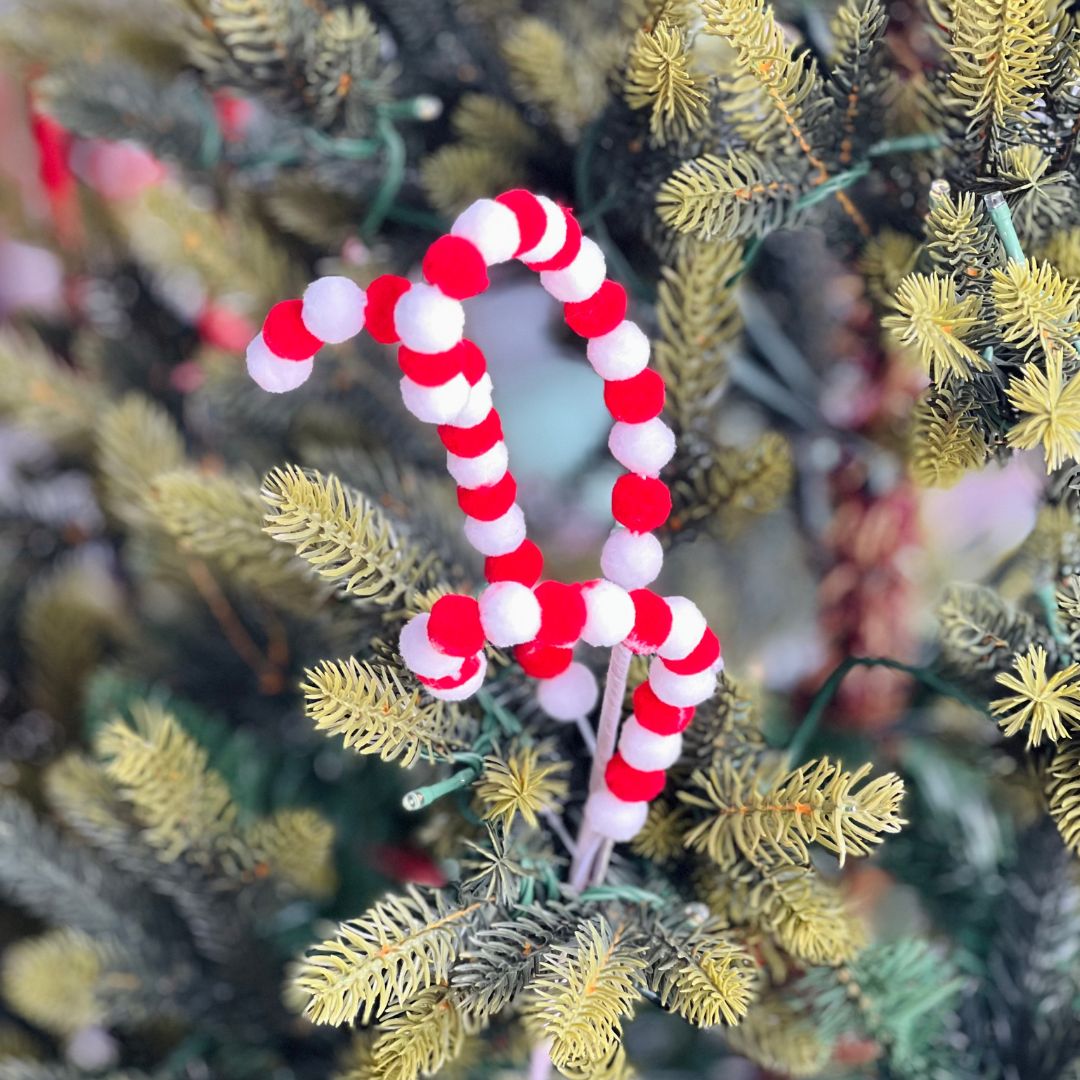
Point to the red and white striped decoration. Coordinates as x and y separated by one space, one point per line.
445 382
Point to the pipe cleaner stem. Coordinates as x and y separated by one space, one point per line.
588 843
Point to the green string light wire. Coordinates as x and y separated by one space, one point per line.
811 721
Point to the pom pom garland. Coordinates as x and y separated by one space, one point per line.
454 626
631 559
486 468
456 267
580 280
272 373
492 227
641 503
652 622
445 382
570 695
600 313
562 614
657 716
509 613
382 297
525 564
333 309
642 448
620 355
428 320
614 818
285 333
609 613
645 750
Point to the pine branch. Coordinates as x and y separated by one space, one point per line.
62 884
40 393
184 805
374 713
137 440
582 992
945 440
660 77
344 537
768 819
776 1036
805 914
980 631
725 198
504 957
220 519
704 976
400 946
698 317
426 1034
296 846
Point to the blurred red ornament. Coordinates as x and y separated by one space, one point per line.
222 328
53 144
234 115
408 865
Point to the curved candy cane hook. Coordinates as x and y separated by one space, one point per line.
445 382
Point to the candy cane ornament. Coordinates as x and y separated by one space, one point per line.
445 382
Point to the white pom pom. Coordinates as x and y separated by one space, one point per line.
569 695
334 309
680 690
554 234
478 405
687 629
509 613
435 404
466 689
427 321
486 468
580 279
609 613
611 817
632 560
271 372
645 750
498 537
619 354
421 657
492 227
642 448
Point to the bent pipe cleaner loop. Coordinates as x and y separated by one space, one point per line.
445 382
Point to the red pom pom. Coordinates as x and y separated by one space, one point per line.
473 364
658 716
524 564
630 784
382 297
472 441
532 221
491 501
456 266
600 314
285 333
641 503
562 613
543 661
652 621
454 626
568 252
704 654
450 682
431 369
633 401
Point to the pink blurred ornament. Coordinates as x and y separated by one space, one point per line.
116 170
